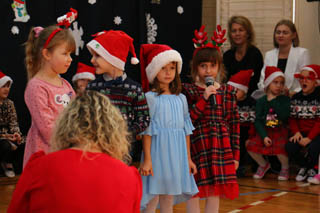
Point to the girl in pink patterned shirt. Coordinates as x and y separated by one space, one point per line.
47 56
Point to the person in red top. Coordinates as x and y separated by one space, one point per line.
86 169
305 122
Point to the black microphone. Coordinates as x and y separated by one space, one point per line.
210 81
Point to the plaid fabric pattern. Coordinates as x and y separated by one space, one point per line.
128 96
215 141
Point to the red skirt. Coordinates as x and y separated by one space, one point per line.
279 137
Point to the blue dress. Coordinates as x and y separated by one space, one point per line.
169 125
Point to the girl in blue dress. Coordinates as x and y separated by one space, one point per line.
166 166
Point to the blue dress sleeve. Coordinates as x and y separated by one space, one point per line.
188 127
151 100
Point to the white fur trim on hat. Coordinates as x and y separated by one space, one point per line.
272 77
238 86
4 80
83 75
93 45
161 60
310 69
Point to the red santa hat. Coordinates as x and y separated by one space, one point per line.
270 74
113 46
84 72
4 79
153 57
241 80
313 68
19 1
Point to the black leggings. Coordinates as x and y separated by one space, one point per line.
5 151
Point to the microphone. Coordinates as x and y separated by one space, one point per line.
210 81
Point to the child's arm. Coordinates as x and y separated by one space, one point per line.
259 122
146 166
141 110
192 166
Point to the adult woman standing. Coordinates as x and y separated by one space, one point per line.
243 55
286 55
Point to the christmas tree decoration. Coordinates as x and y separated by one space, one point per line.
68 18
152 28
77 34
20 11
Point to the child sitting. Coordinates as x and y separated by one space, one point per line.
10 135
305 123
84 75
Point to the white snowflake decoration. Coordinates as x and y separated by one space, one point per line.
92 1
14 30
77 34
152 28
180 9
117 20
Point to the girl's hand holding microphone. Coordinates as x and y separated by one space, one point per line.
210 90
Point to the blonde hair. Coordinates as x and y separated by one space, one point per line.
34 46
246 24
293 29
92 121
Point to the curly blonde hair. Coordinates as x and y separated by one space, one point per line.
92 121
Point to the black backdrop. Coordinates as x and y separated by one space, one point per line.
173 28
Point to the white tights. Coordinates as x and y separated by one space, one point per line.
212 205
166 204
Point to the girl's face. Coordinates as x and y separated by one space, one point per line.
4 90
60 58
276 86
102 66
284 36
206 69
238 34
82 84
307 82
167 73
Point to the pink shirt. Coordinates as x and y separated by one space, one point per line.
45 101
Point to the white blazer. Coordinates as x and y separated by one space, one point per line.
298 57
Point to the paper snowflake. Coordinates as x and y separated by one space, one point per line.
92 1
77 34
180 9
14 30
152 28
117 20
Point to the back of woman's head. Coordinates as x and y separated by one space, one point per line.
293 29
35 45
91 121
246 24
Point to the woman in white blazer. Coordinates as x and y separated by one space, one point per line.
286 55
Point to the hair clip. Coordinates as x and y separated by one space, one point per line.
37 31
200 40
68 18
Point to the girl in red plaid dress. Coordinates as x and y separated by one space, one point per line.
215 140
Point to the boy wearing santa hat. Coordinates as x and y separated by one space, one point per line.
109 51
83 76
305 123
10 135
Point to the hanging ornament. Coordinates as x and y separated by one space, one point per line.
14 30
20 11
117 20
180 9
152 28
92 1
77 34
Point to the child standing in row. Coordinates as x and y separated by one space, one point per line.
215 140
47 56
272 113
305 122
109 51
83 76
10 135
166 166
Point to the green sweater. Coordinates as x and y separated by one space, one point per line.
281 107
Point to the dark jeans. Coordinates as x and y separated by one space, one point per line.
5 151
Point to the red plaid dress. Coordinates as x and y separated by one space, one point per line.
215 141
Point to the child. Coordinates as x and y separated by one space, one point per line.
109 53
86 170
166 165
10 135
215 140
83 76
305 122
272 113
246 106
47 56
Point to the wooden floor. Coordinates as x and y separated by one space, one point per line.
266 195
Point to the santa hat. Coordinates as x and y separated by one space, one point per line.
270 74
313 68
4 79
84 72
153 57
19 1
241 80
113 46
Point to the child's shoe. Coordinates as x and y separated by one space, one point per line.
302 174
284 174
311 174
261 171
315 179
8 169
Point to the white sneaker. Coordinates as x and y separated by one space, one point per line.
8 169
302 175
311 174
